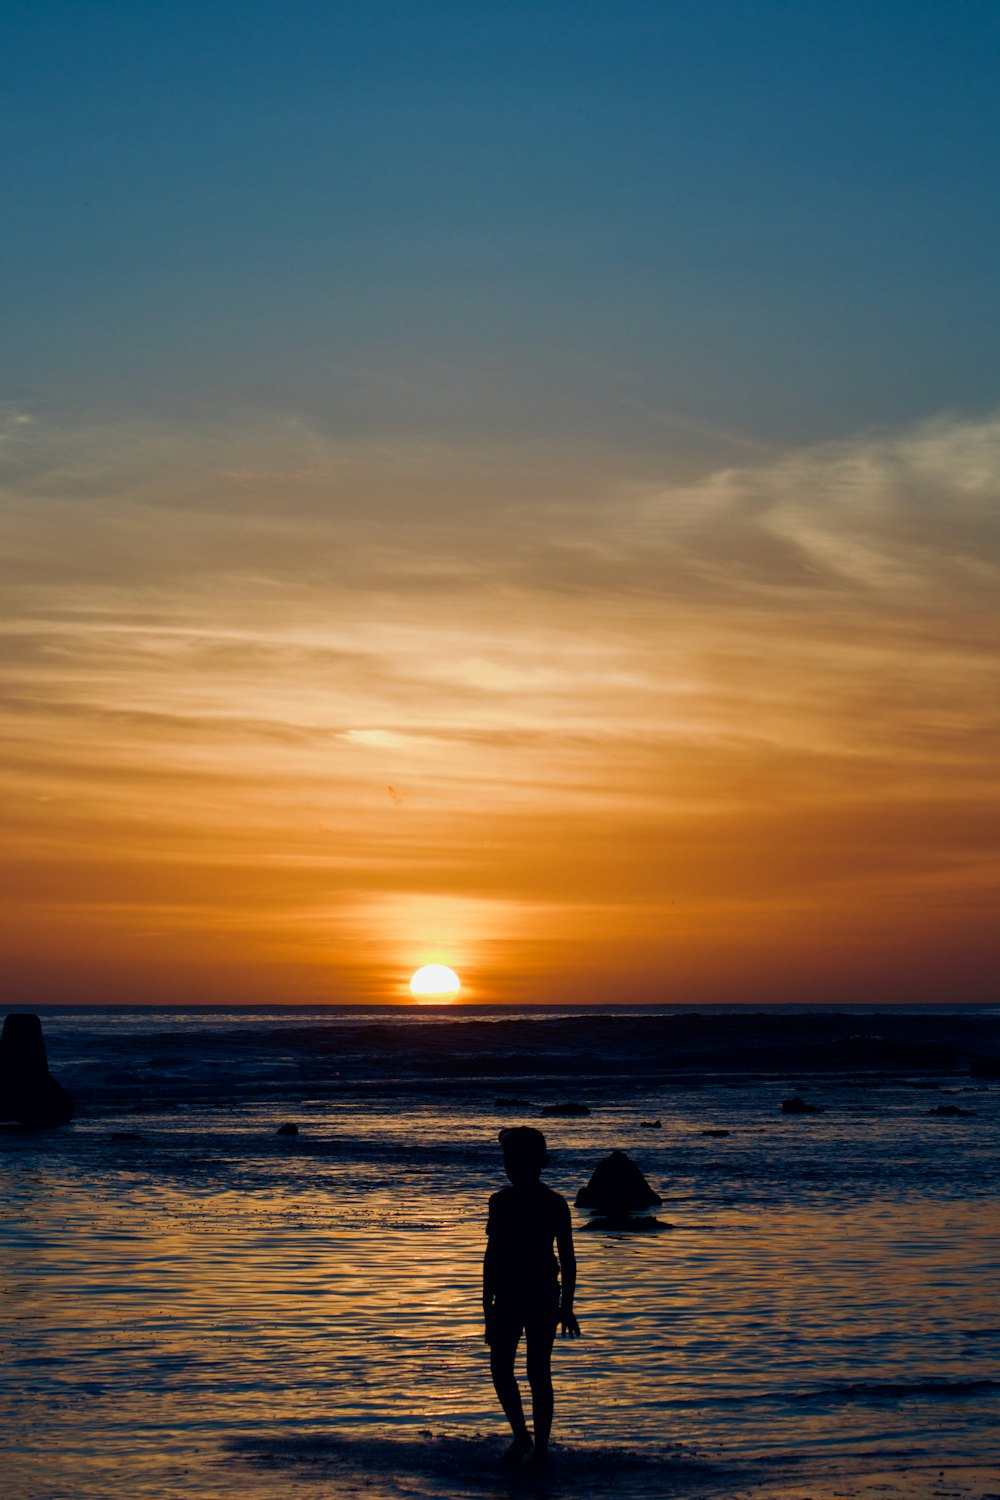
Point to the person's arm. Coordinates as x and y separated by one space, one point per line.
489 1277
567 1274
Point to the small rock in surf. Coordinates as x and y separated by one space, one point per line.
617 1186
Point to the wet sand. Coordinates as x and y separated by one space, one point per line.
924 1483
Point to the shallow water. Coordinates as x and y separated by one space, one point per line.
207 1309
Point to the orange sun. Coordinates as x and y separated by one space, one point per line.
434 984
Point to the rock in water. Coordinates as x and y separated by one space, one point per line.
798 1106
28 1092
628 1224
617 1187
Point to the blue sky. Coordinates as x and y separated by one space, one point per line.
776 218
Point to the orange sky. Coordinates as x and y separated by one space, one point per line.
285 717
510 486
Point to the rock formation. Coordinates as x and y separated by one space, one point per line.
617 1188
28 1092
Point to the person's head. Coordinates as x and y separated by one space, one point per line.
524 1153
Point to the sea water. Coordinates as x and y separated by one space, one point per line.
196 1306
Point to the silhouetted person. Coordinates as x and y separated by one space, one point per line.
521 1286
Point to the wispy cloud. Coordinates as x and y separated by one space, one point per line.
766 695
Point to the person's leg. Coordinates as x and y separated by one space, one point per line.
502 1352
540 1334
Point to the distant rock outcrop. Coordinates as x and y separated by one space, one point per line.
950 1109
798 1106
28 1092
289 1128
617 1188
565 1109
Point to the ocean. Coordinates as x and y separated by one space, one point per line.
197 1306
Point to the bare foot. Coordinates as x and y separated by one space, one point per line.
517 1450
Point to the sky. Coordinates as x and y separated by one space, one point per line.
508 485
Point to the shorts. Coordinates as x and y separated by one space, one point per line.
513 1315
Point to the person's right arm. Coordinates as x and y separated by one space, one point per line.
489 1276
567 1274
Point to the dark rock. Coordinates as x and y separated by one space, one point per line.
715 1132
511 1104
798 1106
28 1092
617 1187
287 1129
650 1124
628 1224
565 1109
949 1109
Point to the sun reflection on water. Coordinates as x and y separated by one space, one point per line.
181 1287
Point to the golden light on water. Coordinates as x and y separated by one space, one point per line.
434 984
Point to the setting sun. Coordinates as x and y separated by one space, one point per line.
435 982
